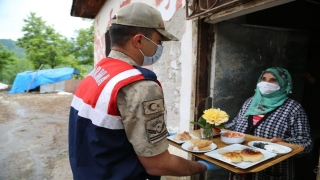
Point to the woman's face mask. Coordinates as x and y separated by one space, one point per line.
149 60
268 88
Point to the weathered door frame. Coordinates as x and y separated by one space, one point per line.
204 51
202 91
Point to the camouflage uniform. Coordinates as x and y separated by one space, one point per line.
139 116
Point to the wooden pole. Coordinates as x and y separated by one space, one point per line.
34 78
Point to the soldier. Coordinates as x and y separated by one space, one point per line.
117 119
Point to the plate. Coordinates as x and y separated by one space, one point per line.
188 144
243 165
181 142
287 149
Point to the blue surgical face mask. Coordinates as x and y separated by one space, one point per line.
149 60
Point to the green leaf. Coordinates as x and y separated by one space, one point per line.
208 126
202 121
194 122
201 125
221 126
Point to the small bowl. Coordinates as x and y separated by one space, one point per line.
229 137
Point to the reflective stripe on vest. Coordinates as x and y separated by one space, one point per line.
97 100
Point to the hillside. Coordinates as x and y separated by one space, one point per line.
11 46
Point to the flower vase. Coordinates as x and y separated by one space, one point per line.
206 133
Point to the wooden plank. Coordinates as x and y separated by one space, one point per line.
244 9
86 9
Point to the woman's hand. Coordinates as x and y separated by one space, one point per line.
275 139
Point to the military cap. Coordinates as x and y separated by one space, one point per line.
142 15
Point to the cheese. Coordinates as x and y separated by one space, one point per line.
276 149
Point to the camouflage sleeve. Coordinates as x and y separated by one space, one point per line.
142 110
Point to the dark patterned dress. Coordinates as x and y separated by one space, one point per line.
288 122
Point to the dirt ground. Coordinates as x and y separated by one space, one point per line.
33 141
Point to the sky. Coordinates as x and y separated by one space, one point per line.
56 13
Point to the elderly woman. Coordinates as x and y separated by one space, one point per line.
271 114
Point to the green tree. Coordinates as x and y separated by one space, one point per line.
79 54
42 43
71 61
82 45
6 57
10 72
11 46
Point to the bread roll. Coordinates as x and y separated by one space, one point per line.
200 143
205 148
232 157
195 148
251 155
182 136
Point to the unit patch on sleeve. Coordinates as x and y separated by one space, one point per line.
156 129
153 106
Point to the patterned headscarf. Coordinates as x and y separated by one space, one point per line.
264 103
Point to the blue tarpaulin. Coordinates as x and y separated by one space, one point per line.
37 78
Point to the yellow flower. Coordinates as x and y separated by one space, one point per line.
215 116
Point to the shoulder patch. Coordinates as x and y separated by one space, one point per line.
154 106
156 129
